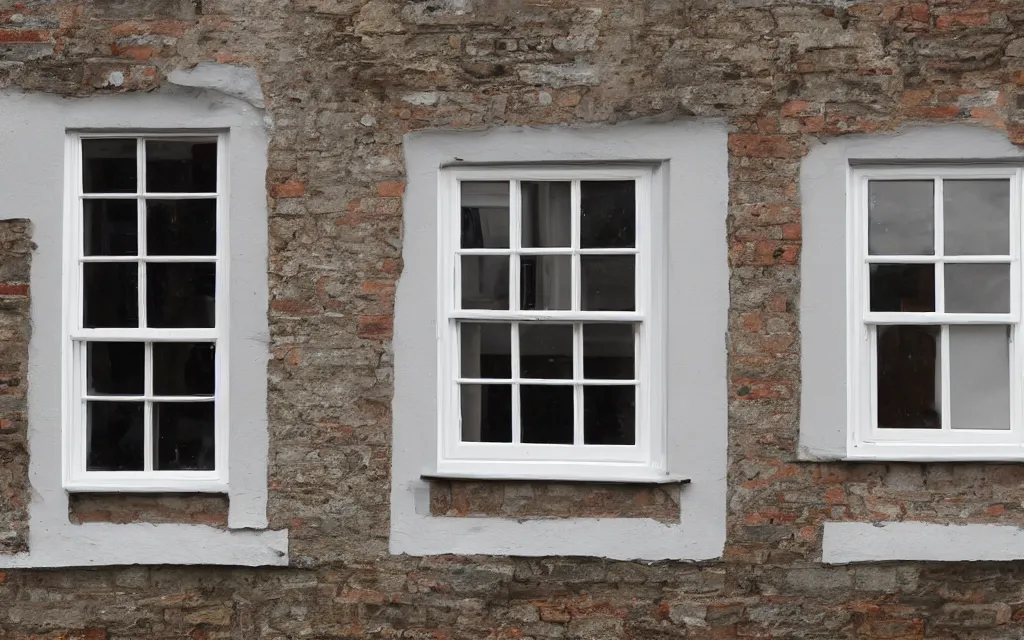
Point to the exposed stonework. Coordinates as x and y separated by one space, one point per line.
153 508
343 80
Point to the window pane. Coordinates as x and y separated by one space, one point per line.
115 368
608 351
609 415
608 283
181 227
486 412
183 368
108 165
977 217
181 166
485 282
547 214
110 295
546 282
546 414
180 295
903 287
114 437
979 377
486 349
977 288
909 377
183 436
608 214
545 350
110 227
485 215
901 218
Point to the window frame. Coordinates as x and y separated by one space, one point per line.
75 336
645 459
865 440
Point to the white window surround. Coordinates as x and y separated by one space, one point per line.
76 477
688 161
867 439
644 460
32 181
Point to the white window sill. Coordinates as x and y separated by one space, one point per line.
511 476
146 486
933 452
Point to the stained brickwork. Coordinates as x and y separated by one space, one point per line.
344 80
208 509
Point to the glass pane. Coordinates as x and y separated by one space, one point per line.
108 165
485 215
977 217
909 377
486 412
111 227
183 368
110 295
545 350
546 413
115 368
979 377
486 349
608 214
547 214
181 227
546 282
183 437
181 166
485 282
609 415
114 436
181 295
609 283
977 288
901 219
903 287
608 351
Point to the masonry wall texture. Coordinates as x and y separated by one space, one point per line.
343 81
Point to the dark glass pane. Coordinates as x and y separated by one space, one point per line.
115 435
909 377
609 415
901 219
608 351
183 368
547 214
546 282
486 349
977 288
608 214
609 283
110 295
180 295
546 414
486 412
111 227
545 350
484 215
116 368
977 217
183 436
903 287
108 165
181 227
181 166
485 282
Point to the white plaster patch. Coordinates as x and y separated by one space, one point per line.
116 78
848 542
421 98
232 80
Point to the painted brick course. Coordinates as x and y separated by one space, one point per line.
344 80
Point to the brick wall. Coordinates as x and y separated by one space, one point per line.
344 80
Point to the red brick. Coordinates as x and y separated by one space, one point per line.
290 189
760 146
13 289
390 189
965 19
375 327
15 36
919 11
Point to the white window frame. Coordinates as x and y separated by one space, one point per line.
645 459
75 476
865 440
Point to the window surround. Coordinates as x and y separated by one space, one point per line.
641 461
76 477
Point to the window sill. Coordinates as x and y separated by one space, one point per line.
148 486
952 452
660 478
